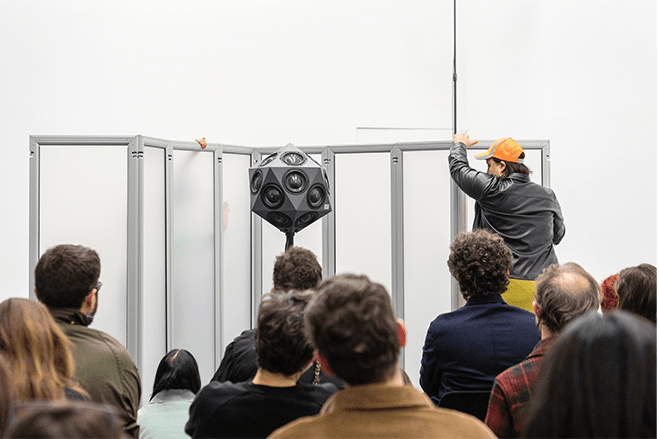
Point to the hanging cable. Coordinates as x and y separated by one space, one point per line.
455 71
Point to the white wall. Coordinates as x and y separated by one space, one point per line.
580 73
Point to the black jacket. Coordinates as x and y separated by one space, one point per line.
525 214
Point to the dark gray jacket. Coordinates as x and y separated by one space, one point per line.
525 214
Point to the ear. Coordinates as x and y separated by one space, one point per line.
39 300
402 333
323 364
536 309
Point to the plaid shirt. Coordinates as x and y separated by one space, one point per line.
512 391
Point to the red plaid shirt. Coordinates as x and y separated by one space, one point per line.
512 391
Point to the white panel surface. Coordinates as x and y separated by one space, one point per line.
83 200
193 313
363 215
427 227
154 300
236 238
274 242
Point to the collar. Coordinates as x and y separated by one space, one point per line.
379 396
490 298
522 178
172 395
70 316
541 348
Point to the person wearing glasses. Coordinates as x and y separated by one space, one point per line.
526 215
66 281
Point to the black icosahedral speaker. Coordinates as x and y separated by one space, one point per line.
290 190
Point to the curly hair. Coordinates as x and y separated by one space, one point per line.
610 299
296 269
280 341
66 274
352 325
637 289
480 262
563 293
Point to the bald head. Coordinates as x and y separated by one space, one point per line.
564 292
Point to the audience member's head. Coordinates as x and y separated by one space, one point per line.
637 289
480 262
7 394
352 325
281 344
599 379
177 370
65 419
37 351
296 269
564 292
66 274
610 298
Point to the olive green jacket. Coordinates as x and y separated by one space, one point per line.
103 367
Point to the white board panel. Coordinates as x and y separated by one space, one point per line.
363 215
154 294
193 307
83 201
236 234
427 227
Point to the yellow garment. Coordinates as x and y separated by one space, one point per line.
520 293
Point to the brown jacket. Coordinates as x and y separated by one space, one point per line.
384 411
103 367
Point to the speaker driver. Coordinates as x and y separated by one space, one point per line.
306 219
272 196
293 159
279 220
257 181
269 159
295 182
316 196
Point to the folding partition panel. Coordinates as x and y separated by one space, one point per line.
185 263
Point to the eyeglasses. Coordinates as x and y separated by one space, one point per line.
98 287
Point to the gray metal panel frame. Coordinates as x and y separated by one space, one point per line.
135 144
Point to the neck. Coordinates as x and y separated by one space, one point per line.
544 332
266 378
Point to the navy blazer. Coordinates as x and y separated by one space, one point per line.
467 348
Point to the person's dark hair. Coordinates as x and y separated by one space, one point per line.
296 269
513 168
563 293
177 370
352 325
599 379
66 274
280 341
610 298
7 394
637 289
480 262
64 419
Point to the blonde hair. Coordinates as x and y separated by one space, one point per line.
38 353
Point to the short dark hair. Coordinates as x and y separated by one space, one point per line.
637 289
352 325
480 262
563 293
513 168
599 379
280 341
296 269
178 369
66 274
70 419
